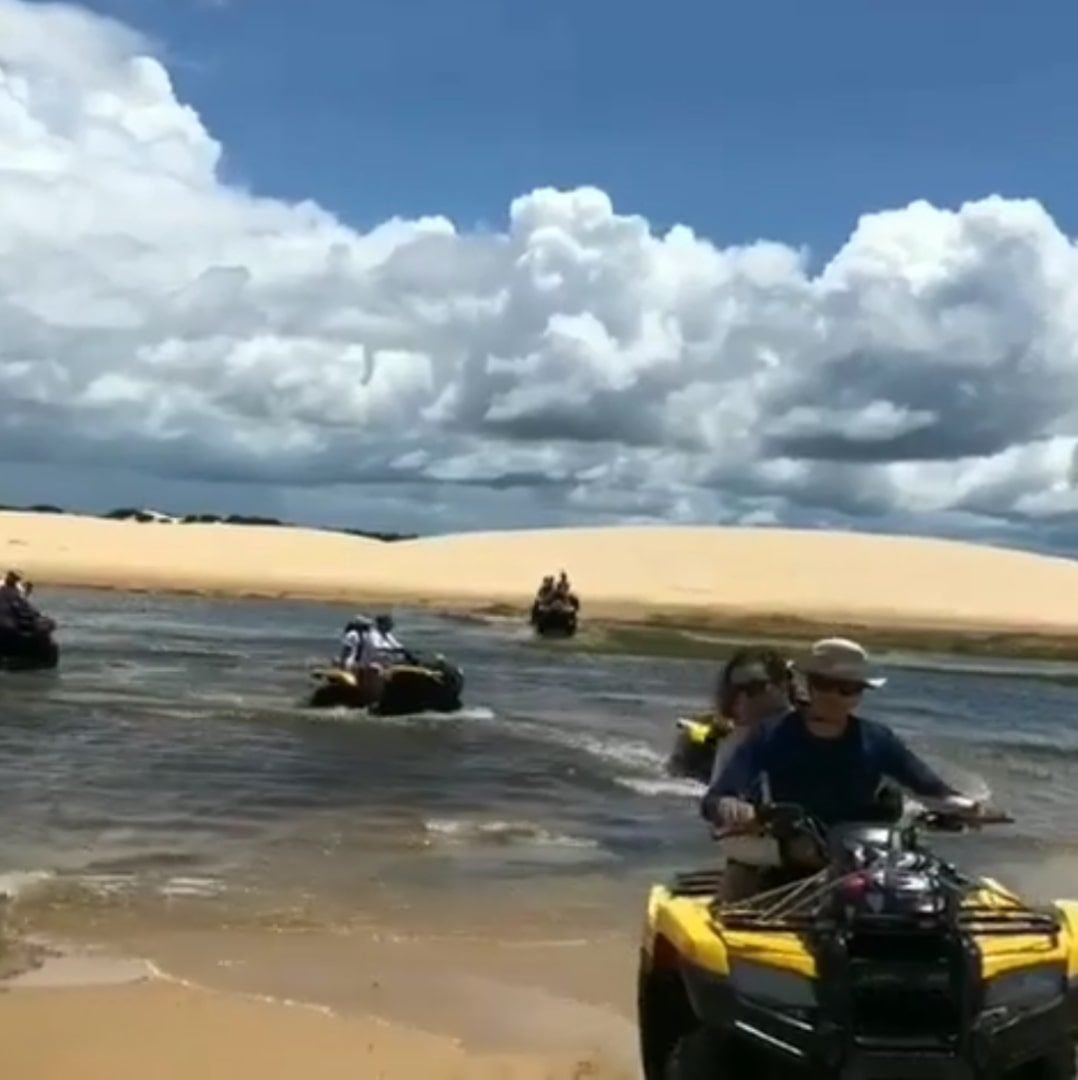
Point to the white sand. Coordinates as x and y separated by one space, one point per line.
813 575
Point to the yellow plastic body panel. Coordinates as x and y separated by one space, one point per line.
413 669
703 728
1003 953
687 925
784 951
1069 910
695 731
337 675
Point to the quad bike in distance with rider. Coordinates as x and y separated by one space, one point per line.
696 741
555 611
35 651
554 619
418 685
27 636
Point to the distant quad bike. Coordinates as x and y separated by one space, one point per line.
414 687
30 652
886 962
554 620
696 741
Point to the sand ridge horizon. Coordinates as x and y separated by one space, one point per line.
620 571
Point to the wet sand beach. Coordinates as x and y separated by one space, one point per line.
167 1031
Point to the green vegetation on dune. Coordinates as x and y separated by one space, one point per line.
642 640
153 517
500 611
710 636
667 637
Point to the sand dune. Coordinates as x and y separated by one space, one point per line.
815 575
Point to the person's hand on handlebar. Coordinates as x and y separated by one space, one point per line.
959 807
973 813
961 804
958 812
732 813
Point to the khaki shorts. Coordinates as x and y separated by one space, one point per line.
740 881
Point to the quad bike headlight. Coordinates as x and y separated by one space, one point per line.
771 986
1029 988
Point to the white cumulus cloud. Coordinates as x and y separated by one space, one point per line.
156 320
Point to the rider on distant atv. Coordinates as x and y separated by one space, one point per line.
381 647
355 632
368 648
17 615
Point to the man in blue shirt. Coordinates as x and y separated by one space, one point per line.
822 756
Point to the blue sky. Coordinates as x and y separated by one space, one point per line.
226 352
783 120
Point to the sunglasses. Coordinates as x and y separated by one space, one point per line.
835 686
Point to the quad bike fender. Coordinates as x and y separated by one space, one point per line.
1068 910
1017 954
678 930
415 669
1008 954
681 930
334 675
692 972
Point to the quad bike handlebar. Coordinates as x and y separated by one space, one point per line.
805 842
783 820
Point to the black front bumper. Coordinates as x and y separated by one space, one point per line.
993 1045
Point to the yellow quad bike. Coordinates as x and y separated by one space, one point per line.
696 738
413 687
886 962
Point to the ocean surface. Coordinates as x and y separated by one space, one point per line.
169 768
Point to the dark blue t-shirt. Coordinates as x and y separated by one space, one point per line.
834 780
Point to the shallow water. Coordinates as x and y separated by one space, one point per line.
169 766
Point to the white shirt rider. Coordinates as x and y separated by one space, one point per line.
352 642
380 647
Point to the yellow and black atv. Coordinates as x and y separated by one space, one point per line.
416 686
696 738
554 619
885 962
30 650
